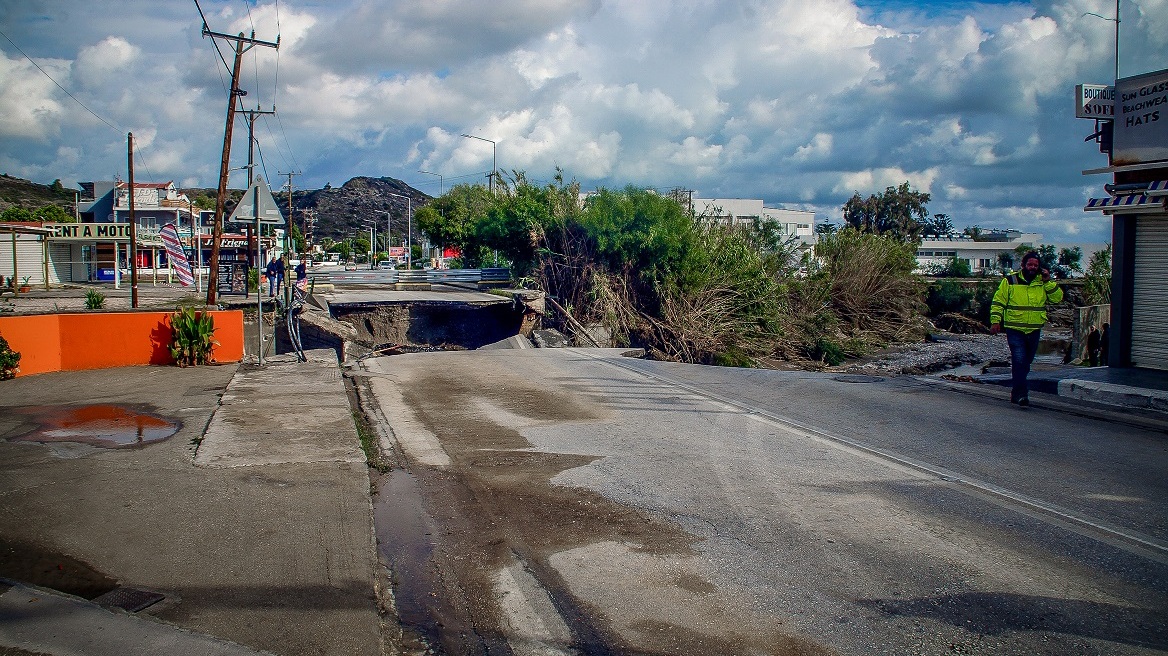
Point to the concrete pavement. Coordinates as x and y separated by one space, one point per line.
253 521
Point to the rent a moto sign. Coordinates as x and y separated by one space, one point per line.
1141 119
90 231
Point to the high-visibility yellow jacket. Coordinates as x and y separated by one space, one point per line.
1022 306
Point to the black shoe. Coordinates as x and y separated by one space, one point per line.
1024 402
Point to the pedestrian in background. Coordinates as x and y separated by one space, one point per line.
1094 343
302 272
1019 308
1104 344
275 274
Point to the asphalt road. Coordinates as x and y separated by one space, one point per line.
572 501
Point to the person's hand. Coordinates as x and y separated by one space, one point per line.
995 328
1046 275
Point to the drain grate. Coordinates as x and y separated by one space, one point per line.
129 599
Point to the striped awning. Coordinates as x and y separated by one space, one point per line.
1128 203
1157 188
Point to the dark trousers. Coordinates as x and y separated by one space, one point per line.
1023 346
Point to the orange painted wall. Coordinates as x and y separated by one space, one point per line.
100 340
35 337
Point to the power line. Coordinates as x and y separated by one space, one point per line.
213 41
46 74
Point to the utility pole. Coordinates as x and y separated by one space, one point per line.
249 116
291 222
133 225
242 44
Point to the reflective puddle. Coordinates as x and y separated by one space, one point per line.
108 426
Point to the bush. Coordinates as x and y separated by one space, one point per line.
94 300
948 296
193 337
9 360
871 285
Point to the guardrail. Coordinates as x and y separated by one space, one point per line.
415 276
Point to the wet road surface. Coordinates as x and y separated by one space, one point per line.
558 501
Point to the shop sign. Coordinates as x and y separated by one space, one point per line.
1141 119
89 231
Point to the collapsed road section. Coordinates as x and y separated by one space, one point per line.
357 323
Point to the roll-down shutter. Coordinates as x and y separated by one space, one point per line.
1150 294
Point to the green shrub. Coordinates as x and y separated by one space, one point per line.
94 300
193 337
828 352
949 296
9 360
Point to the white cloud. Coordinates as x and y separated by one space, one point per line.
101 64
794 102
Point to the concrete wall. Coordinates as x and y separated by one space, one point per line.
100 340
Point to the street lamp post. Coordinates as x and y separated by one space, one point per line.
409 229
439 179
493 167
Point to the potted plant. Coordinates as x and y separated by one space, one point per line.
24 286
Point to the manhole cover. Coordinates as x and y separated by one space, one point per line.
858 379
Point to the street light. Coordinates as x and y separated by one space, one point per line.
409 229
493 168
439 179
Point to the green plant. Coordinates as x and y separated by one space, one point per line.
9 360
1097 287
193 337
24 281
253 280
94 300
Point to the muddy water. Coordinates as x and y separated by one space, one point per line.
404 541
104 425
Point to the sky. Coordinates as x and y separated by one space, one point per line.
799 103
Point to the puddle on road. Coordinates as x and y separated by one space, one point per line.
106 425
405 543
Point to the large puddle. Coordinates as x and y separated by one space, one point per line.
105 425
405 543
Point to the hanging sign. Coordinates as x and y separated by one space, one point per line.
1141 119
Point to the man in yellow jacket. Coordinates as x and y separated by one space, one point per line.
1019 307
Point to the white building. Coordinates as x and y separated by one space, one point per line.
935 253
795 223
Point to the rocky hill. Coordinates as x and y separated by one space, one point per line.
340 211
17 192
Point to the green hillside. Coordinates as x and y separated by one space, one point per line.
17 192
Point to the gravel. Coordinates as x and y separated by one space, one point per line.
942 351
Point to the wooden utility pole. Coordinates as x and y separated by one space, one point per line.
291 222
133 224
242 44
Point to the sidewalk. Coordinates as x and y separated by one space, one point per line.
1122 388
252 524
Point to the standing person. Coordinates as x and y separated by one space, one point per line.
302 272
1104 344
274 271
1093 347
1019 307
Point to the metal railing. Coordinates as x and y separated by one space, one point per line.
415 276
